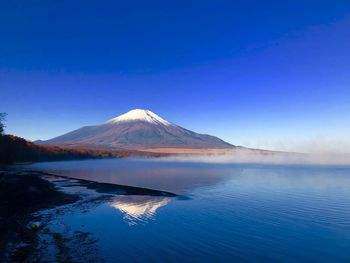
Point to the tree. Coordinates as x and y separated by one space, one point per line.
2 120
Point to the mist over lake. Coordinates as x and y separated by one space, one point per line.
224 212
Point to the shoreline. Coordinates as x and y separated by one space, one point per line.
109 188
22 195
26 195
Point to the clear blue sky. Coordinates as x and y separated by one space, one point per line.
269 74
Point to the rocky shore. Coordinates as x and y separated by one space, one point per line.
25 195
21 195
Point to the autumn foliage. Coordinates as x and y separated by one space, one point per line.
14 149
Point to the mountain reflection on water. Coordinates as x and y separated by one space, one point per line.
139 208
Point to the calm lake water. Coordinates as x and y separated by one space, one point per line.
226 212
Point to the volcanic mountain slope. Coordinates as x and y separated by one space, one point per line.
138 129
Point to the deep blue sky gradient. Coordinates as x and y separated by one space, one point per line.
256 73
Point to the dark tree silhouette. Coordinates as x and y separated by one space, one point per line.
2 120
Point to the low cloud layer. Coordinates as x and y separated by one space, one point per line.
315 145
267 158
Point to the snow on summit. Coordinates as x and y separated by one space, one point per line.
140 115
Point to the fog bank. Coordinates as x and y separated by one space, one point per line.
266 158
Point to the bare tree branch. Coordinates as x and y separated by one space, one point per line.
2 120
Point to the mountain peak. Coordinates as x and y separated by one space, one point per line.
139 115
138 129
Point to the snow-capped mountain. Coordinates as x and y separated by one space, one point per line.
138 129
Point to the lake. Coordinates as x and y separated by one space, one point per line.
224 212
